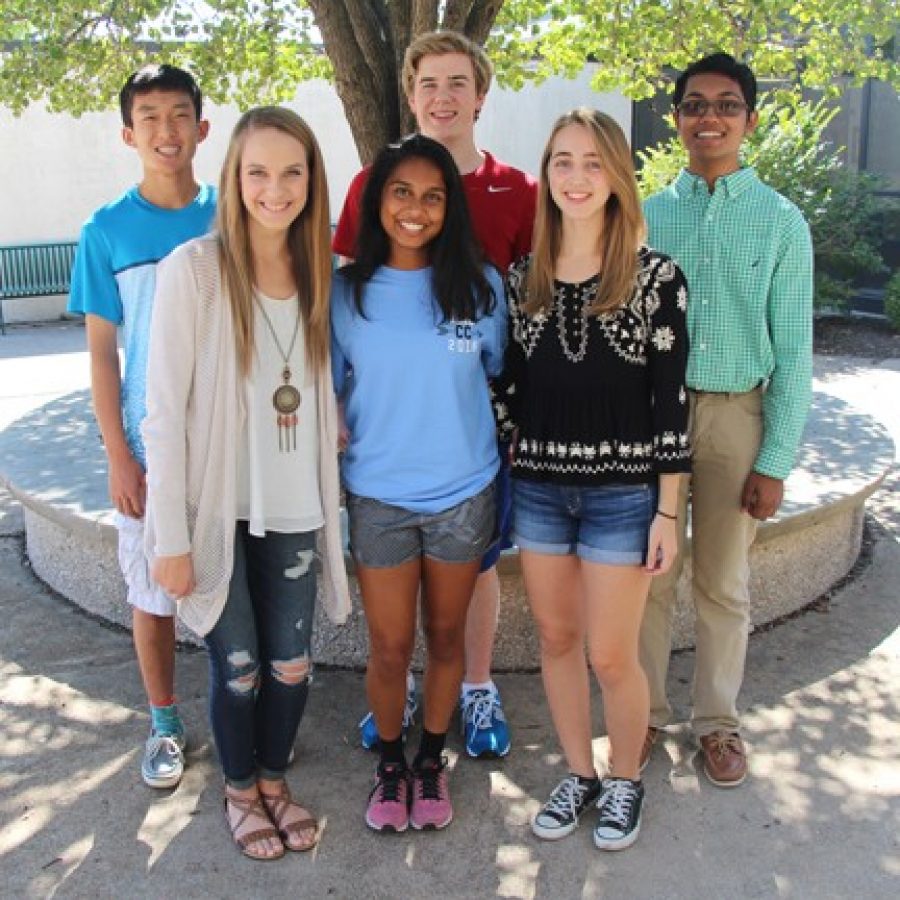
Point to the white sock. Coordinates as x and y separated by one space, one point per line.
468 686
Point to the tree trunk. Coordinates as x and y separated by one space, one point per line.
365 42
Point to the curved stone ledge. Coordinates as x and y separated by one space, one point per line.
53 463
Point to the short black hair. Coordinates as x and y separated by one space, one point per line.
720 64
460 286
158 77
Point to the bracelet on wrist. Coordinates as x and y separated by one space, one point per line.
666 515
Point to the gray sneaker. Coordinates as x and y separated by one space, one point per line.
163 762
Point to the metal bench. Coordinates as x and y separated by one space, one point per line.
35 270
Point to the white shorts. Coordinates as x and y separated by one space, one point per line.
143 593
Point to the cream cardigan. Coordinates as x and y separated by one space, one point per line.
195 412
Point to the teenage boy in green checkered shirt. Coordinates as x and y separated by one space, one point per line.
747 255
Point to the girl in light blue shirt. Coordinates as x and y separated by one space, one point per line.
418 327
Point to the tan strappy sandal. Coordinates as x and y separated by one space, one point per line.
277 806
251 806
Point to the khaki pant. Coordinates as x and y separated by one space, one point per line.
726 431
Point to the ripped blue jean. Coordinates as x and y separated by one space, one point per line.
259 654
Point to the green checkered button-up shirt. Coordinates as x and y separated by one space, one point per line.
747 254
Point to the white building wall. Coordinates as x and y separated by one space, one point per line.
57 169
514 124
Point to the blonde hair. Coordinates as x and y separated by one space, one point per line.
623 225
440 43
309 239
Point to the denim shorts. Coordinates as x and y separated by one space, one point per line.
608 524
382 536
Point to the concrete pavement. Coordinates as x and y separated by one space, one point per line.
819 816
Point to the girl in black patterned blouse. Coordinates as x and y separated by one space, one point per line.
594 394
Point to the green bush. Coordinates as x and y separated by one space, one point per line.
892 301
790 153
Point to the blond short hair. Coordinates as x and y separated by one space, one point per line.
440 43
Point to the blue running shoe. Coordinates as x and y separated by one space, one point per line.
483 724
368 730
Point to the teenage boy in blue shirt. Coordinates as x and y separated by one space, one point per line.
112 286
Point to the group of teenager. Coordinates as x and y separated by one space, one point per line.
497 360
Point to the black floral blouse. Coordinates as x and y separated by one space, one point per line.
597 399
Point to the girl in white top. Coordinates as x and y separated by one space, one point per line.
242 432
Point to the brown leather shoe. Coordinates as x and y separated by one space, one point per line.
650 739
724 758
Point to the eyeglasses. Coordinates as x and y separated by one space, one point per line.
695 108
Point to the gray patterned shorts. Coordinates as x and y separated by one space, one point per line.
383 536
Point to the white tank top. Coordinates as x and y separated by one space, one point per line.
278 467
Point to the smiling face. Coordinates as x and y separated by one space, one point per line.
576 177
165 132
413 205
445 99
713 141
274 176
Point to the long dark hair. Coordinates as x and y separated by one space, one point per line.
458 281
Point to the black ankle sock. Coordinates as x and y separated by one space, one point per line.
431 747
587 782
392 752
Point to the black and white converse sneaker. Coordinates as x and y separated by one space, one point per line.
570 798
620 814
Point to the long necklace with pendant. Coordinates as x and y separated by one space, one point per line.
286 398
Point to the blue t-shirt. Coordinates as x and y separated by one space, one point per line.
422 434
115 277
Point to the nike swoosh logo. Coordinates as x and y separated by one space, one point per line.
496 188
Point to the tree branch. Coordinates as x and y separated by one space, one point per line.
481 19
371 37
739 25
364 77
455 13
399 19
424 16
87 27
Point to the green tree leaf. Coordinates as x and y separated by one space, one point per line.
75 54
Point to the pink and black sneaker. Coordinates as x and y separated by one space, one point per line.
431 807
388 808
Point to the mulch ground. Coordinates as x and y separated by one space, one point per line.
846 336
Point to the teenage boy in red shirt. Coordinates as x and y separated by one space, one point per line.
446 78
